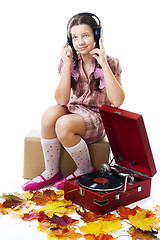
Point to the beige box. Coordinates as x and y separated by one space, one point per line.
34 160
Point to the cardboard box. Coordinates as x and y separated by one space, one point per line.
34 160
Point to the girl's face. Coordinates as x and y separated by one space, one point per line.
83 38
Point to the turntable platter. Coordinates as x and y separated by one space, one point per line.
97 182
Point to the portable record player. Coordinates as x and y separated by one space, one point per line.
127 178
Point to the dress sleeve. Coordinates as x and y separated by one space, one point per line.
114 65
60 67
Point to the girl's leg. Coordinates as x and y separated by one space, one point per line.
51 149
70 129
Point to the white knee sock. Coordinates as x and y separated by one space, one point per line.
51 151
81 157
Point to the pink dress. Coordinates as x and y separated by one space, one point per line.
87 104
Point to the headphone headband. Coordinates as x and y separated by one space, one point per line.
90 14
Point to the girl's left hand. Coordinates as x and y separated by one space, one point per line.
99 53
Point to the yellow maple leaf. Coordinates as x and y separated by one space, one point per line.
110 226
60 192
92 228
140 220
98 227
56 207
29 195
19 212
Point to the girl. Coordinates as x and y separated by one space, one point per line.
88 79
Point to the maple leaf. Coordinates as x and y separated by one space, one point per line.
11 203
15 196
109 217
43 218
42 197
89 236
92 228
98 227
56 207
33 214
140 220
60 192
110 226
100 237
156 215
138 234
47 227
87 216
3 209
63 221
124 212
27 195
105 237
57 232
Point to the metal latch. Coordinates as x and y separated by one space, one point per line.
82 192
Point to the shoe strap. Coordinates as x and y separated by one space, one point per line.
42 177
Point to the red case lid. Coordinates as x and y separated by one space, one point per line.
128 139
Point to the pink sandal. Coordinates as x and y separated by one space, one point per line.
60 184
32 186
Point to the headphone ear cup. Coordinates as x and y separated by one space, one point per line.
69 39
97 36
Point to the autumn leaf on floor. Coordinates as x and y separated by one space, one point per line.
92 228
11 203
56 207
27 195
110 226
156 215
109 217
141 221
57 232
87 216
33 214
63 221
3 209
40 198
138 234
100 237
15 196
98 227
124 212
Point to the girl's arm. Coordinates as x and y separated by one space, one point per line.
63 90
114 88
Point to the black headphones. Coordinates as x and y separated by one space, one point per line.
97 31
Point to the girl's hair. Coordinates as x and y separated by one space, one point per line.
88 19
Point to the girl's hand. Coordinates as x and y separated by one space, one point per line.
99 53
66 53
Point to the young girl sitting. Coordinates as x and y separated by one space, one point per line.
88 79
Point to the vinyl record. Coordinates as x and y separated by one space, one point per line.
97 182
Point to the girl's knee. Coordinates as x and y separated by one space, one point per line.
63 128
51 115
48 117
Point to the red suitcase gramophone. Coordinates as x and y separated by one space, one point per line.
127 178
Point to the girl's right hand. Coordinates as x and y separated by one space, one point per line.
67 53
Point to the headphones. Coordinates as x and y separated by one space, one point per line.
97 32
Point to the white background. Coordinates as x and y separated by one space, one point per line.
31 36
